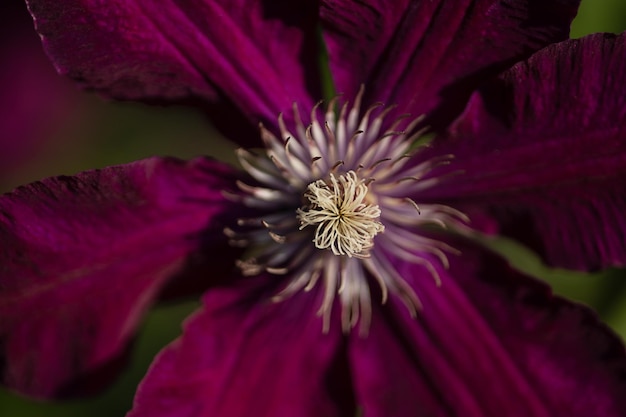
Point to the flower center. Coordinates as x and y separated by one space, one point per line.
344 222
321 219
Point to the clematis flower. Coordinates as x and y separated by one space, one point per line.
332 285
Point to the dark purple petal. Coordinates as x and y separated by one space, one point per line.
244 355
35 102
83 257
488 343
543 151
243 58
424 54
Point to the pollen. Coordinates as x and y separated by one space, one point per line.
344 221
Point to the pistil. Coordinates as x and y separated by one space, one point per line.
345 222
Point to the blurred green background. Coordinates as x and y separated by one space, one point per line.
122 132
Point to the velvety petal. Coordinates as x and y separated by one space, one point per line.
31 90
243 58
83 257
429 55
543 152
245 355
488 342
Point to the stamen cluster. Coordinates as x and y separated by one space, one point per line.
346 223
336 203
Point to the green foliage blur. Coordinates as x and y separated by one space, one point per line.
122 132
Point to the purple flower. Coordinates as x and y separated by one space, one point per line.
333 285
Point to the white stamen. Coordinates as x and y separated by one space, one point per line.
345 222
